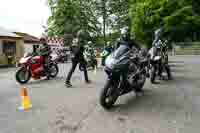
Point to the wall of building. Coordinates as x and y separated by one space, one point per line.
28 48
19 49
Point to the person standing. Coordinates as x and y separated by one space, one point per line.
77 50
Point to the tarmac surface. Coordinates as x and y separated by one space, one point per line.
168 107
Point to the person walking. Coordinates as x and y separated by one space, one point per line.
77 50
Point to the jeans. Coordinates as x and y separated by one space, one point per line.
74 64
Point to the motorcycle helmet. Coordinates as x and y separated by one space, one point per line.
83 35
75 42
158 33
125 34
43 40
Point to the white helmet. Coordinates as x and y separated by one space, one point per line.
125 33
75 42
89 42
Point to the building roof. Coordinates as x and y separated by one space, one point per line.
6 33
28 38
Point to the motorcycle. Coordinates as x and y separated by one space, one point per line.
158 61
125 72
63 56
91 61
165 66
32 67
154 68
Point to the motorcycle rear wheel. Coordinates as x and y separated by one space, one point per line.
26 75
108 95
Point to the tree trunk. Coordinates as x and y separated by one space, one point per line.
104 21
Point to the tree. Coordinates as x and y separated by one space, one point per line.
70 16
176 16
114 14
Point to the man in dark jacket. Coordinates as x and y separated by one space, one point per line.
77 50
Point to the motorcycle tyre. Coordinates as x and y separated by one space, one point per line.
104 91
18 78
153 75
57 70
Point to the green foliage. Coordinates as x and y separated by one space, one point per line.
176 16
69 16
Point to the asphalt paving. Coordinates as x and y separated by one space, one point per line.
168 107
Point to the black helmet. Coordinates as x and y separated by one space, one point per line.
43 40
125 34
82 34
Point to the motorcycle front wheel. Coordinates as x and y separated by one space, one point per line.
153 74
23 75
141 81
53 68
108 95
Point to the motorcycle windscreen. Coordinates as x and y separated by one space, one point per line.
119 58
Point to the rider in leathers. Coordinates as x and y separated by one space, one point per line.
126 40
157 46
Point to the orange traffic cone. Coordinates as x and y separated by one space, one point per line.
25 100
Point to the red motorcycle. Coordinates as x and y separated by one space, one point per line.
32 67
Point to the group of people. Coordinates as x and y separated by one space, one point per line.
77 49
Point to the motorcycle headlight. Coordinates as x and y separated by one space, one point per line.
157 58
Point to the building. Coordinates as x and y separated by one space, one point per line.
11 47
31 43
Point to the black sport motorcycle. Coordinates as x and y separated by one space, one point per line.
126 72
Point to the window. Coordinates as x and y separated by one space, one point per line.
9 48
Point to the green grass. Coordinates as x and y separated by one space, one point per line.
188 52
